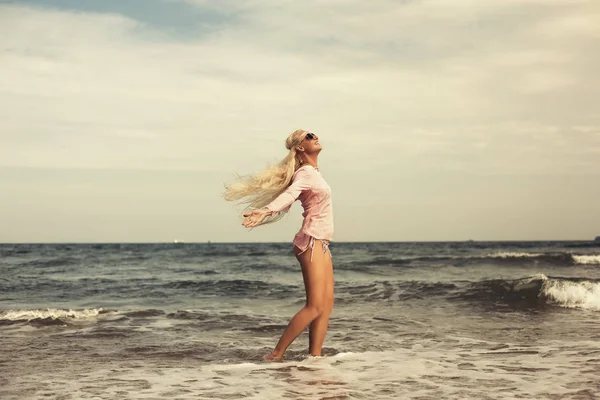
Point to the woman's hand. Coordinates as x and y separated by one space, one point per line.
255 217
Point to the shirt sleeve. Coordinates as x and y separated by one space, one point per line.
303 180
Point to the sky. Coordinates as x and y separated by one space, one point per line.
441 120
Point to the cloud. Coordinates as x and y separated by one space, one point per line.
461 82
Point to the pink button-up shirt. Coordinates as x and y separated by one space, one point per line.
314 193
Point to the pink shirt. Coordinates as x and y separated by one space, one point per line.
314 193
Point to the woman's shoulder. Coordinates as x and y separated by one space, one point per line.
305 172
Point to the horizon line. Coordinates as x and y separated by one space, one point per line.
593 240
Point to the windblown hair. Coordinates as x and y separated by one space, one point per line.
258 190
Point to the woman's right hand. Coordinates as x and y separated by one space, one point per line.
255 217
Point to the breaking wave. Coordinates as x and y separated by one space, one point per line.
537 291
48 316
506 258
590 259
558 257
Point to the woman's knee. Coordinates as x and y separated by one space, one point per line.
316 309
322 307
328 305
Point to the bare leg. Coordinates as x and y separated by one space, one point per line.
315 284
318 328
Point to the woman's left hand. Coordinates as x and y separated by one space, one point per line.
255 217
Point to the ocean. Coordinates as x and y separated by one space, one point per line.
463 320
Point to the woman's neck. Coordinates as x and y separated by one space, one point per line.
312 161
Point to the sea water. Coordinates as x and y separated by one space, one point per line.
468 320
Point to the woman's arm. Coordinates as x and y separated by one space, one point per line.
303 180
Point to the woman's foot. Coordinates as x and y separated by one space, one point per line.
273 357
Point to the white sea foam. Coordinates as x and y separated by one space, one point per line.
534 277
578 259
510 372
589 259
54 313
565 293
510 254
569 294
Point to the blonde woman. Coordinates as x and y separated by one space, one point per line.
271 193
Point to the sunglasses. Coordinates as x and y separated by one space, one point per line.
310 136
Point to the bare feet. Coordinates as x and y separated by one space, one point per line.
272 357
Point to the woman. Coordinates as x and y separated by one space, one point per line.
271 193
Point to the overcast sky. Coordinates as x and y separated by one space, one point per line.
120 120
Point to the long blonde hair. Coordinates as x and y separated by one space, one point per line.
258 190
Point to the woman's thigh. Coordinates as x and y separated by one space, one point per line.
330 282
317 274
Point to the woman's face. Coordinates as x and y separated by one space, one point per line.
310 143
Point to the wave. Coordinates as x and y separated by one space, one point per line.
504 258
532 292
557 257
537 291
570 294
48 316
234 288
391 291
144 313
511 254
589 259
